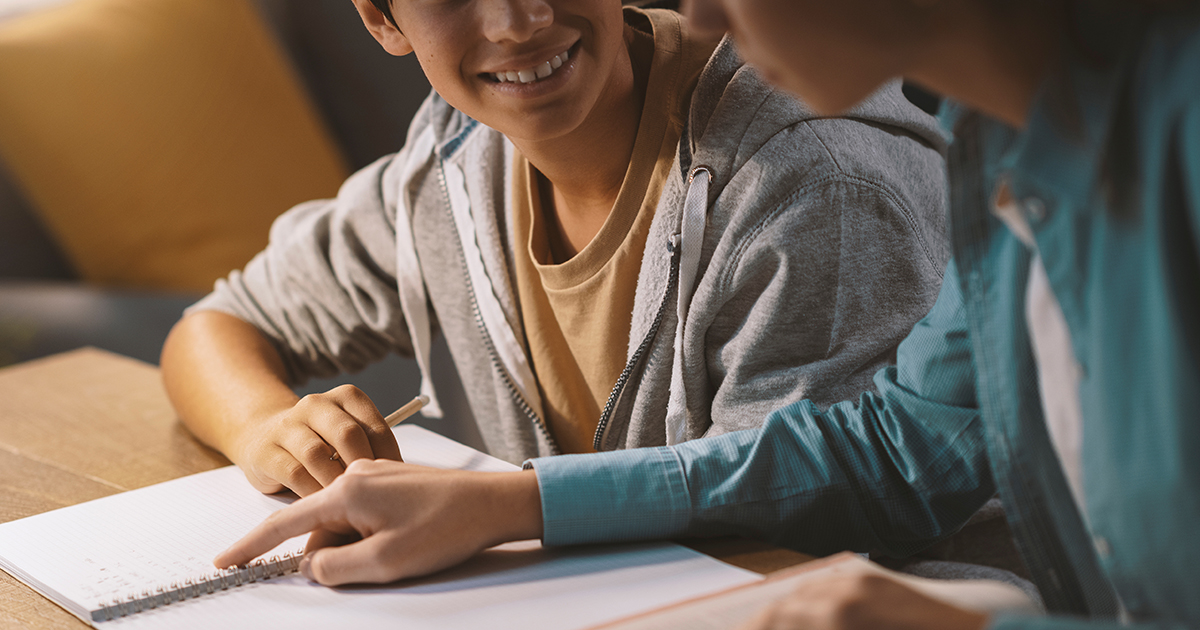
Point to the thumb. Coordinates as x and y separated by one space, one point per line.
355 563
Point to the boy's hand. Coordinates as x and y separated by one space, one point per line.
383 521
863 600
296 447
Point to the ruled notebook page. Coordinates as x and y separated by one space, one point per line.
94 552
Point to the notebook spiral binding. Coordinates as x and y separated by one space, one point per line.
260 569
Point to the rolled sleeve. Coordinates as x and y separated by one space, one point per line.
623 495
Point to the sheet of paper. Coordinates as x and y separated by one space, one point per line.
519 586
94 552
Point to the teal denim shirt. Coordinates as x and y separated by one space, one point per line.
959 417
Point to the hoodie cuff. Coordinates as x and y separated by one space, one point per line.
637 494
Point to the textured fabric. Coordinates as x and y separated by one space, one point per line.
1110 191
857 476
157 140
825 243
578 311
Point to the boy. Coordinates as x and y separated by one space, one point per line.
1059 365
603 215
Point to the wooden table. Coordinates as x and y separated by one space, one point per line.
88 423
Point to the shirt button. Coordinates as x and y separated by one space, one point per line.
1102 547
1035 207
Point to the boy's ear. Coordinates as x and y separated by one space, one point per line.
384 32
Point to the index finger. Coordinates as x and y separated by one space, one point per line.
301 517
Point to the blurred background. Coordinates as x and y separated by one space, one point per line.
146 146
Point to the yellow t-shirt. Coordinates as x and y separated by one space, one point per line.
577 314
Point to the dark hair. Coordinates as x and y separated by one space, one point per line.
385 7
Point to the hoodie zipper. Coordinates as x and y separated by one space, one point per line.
675 246
497 365
611 404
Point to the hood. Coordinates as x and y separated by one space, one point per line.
733 106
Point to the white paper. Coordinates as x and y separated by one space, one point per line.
92 553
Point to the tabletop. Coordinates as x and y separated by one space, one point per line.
88 423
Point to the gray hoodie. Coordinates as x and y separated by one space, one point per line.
788 256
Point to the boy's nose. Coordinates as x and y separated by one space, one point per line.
515 20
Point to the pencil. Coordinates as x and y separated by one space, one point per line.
407 411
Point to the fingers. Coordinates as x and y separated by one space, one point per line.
314 441
355 563
301 517
380 442
384 520
322 538
309 456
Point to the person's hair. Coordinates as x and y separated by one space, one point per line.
385 7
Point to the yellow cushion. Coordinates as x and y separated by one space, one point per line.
158 138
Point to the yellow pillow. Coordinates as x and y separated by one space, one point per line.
158 138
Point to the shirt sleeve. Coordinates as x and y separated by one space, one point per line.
893 471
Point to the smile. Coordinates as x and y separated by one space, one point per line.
535 73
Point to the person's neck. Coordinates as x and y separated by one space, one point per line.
993 63
585 168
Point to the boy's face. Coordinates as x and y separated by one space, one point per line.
831 53
561 53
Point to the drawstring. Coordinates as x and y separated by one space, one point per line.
691 240
411 283
508 350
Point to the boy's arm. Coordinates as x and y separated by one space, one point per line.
894 471
229 387
817 301
322 298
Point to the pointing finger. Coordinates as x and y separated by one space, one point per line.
301 517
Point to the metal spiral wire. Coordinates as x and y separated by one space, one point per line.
165 595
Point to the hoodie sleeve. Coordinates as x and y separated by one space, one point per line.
324 291
894 470
820 296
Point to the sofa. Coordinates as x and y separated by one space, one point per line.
314 98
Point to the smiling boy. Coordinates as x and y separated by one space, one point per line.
626 237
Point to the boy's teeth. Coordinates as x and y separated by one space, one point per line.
529 75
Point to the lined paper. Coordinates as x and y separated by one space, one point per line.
85 555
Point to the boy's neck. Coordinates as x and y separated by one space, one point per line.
584 170
993 62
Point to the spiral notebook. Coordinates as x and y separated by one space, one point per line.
144 559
